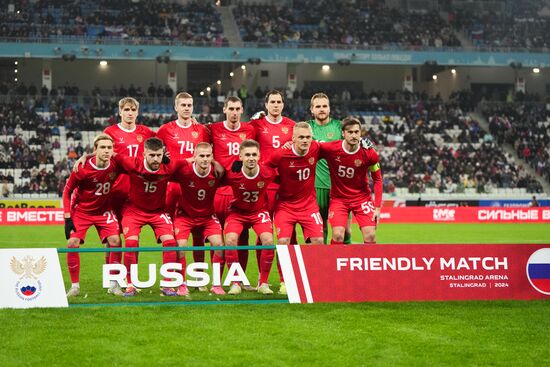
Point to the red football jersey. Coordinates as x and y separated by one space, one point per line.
249 192
198 191
181 141
272 135
226 142
129 143
349 171
94 185
147 188
296 174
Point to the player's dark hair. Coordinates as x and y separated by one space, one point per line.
231 99
274 92
350 121
249 143
153 144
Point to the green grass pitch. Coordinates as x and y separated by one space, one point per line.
477 333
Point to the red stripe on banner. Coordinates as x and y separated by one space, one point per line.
542 284
31 216
297 274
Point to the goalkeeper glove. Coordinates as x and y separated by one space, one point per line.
258 115
237 166
366 143
69 226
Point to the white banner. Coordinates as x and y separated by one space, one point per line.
31 278
47 78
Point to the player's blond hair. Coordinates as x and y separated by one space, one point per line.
128 100
101 137
301 125
318 96
202 144
182 95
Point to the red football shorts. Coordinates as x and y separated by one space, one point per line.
339 210
209 225
259 221
271 197
222 199
308 216
106 225
133 219
119 192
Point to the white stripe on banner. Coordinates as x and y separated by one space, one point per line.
288 273
302 266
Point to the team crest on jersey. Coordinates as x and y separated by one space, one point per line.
241 187
242 136
330 135
284 130
195 134
358 162
291 165
139 138
191 184
95 179
311 160
261 184
211 183
112 176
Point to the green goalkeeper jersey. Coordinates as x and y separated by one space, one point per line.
329 132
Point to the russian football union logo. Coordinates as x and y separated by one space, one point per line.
538 270
28 287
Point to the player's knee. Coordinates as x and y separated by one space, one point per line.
317 240
338 236
266 239
73 243
369 236
231 240
113 241
283 241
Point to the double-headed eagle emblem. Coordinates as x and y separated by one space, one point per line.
28 268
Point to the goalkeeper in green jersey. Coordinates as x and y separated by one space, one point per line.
325 129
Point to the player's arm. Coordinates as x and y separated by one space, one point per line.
219 171
172 198
124 164
81 161
376 175
70 186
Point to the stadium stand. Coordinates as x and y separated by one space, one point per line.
138 22
521 28
526 126
337 24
